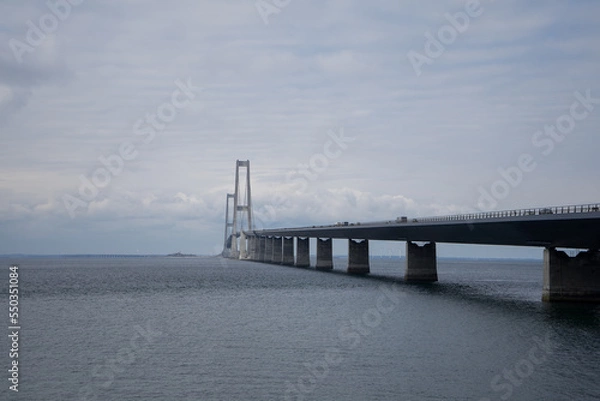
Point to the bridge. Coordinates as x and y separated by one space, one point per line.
566 278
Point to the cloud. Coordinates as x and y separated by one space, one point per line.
423 145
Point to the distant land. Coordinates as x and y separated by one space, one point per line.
181 255
94 255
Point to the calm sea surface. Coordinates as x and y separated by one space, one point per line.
160 328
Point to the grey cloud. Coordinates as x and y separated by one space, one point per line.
423 145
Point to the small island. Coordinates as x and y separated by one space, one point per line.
180 255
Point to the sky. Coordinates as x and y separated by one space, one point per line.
121 121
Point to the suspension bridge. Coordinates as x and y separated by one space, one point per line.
566 278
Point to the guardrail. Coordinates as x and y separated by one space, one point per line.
590 208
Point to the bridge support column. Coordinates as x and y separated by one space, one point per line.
254 247
421 263
288 251
276 257
568 278
243 246
261 248
268 250
250 240
324 254
358 257
302 252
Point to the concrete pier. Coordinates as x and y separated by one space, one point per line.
324 254
250 241
261 248
288 251
256 241
302 252
268 250
277 250
243 252
421 263
358 257
575 279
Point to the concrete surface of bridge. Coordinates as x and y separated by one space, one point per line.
565 278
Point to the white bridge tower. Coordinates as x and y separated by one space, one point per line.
234 245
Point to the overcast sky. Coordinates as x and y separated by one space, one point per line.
397 108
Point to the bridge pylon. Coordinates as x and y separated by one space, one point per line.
241 219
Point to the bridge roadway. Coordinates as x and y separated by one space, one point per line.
565 278
557 230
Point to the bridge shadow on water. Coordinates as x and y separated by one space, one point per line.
572 314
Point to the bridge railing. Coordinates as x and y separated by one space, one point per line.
589 208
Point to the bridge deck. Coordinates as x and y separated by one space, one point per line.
548 227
